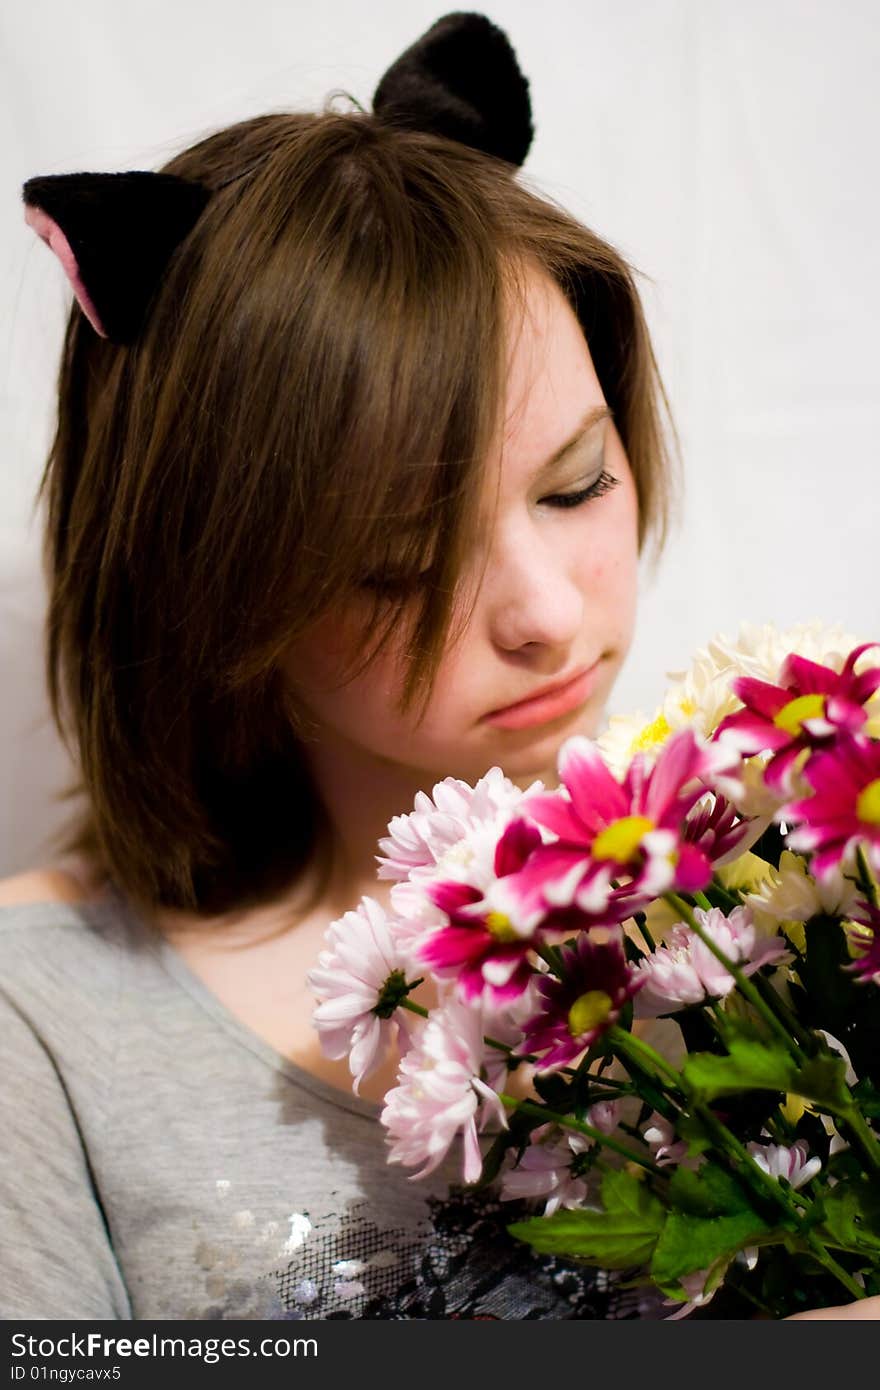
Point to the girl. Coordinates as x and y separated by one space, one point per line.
358 442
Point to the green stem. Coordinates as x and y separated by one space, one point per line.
529 1107
644 1054
774 1001
869 883
745 986
414 1008
726 1141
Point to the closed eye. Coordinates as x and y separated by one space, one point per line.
604 483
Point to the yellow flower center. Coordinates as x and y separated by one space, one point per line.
620 840
868 804
790 718
656 732
498 923
588 1011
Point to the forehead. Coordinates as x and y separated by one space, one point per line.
552 392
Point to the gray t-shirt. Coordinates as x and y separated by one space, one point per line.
160 1160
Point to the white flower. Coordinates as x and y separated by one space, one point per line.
760 651
360 960
424 837
792 894
791 1163
684 971
441 1091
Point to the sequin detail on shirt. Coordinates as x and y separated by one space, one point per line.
462 1264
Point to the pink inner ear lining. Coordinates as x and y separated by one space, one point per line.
49 231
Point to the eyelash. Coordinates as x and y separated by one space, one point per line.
563 500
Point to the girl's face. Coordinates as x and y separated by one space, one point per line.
557 597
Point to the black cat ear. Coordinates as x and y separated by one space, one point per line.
461 79
114 234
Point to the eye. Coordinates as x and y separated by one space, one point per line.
604 483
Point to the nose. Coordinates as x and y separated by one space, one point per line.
534 597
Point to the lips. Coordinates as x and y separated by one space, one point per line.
551 702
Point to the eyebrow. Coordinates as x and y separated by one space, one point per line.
588 423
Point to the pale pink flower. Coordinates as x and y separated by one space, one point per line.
421 839
781 1161
699 1287
359 979
660 1138
549 1168
442 1093
684 971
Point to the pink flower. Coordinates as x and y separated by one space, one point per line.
863 933
580 1006
811 705
660 1138
610 830
441 1092
360 980
552 1166
844 810
487 937
684 971
780 1161
421 839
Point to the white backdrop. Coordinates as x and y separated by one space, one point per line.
729 151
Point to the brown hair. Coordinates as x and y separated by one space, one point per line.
312 397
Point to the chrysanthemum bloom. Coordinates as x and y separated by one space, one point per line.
792 894
360 980
684 971
659 1135
488 933
553 1166
780 1161
844 810
442 1093
863 934
579 1007
633 830
420 840
811 705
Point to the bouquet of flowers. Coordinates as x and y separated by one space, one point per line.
678 951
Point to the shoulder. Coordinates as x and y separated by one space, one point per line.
60 934
44 885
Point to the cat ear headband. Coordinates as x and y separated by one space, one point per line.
114 234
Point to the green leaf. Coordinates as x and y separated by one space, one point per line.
711 1191
852 1215
867 1097
689 1242
750 1066
622 1235
692 1129
822 1079
767 1066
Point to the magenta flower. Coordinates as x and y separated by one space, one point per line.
634 830
811 705
578 1008
844 810
486 940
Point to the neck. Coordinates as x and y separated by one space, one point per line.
362 792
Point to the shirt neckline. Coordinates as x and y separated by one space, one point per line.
176 966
